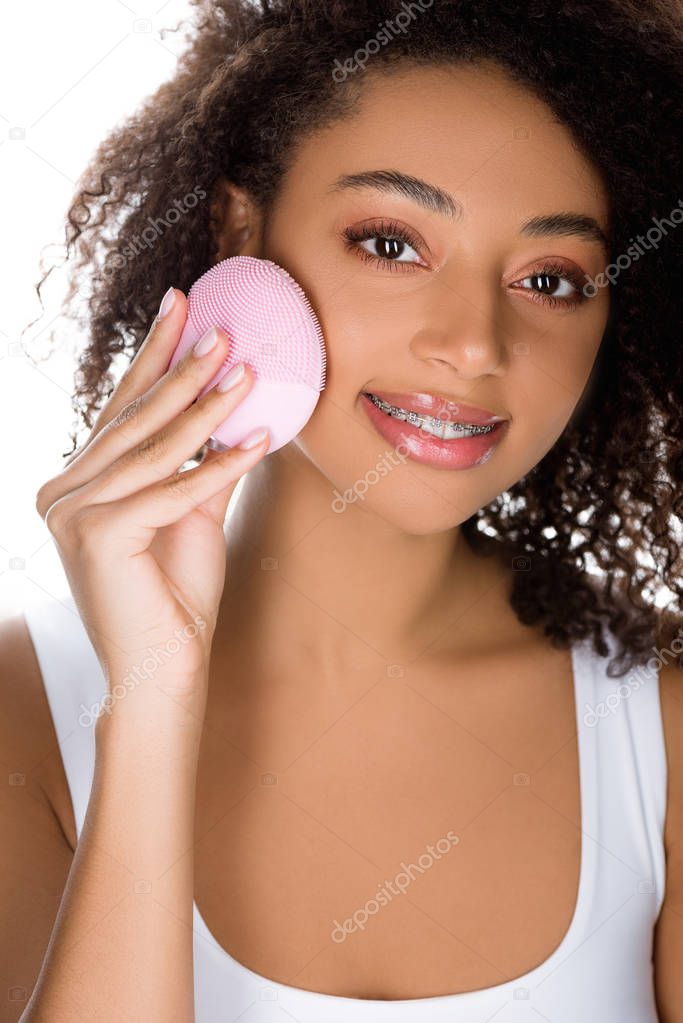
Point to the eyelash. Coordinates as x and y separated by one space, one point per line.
391 231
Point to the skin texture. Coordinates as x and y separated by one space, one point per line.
452 327
394 694
308 691
390 583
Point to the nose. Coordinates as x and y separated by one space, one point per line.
462 332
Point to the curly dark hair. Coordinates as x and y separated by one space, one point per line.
590 532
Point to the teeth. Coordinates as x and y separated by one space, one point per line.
437 427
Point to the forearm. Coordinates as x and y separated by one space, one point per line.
121 947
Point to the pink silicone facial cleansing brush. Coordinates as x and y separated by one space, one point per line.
272 327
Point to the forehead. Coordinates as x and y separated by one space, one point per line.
470 129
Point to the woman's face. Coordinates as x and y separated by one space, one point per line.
473 296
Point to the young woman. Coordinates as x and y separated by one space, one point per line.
413 746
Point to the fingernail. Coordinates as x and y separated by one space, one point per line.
231 378
166 303
206 342
253 438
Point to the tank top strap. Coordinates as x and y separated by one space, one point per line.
620 718
74 684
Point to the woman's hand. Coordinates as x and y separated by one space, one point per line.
142 544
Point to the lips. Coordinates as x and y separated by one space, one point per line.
438 406
416 444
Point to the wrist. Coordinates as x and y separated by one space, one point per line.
162 714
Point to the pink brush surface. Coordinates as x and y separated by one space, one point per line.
272 327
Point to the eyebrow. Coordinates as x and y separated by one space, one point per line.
436 200
421 192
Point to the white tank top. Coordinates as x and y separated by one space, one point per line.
602 968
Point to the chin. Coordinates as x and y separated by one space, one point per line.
407 497
415 515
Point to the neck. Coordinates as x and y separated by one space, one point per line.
346 587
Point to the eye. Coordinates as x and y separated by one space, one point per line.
551 284
555 285
387 244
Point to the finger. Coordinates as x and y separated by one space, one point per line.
148 364
216 507
136 422
163 452
130 524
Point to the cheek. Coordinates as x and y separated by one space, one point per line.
366 328
365 342
545 382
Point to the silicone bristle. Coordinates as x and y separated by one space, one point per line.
267 316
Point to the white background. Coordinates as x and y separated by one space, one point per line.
68 73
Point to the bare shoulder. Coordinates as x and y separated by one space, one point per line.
668 945
27 735
36 819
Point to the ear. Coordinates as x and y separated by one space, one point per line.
235 222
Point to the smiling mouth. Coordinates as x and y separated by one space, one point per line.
440 428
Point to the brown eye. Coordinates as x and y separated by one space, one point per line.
547 284
387 245
553 285
384 248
